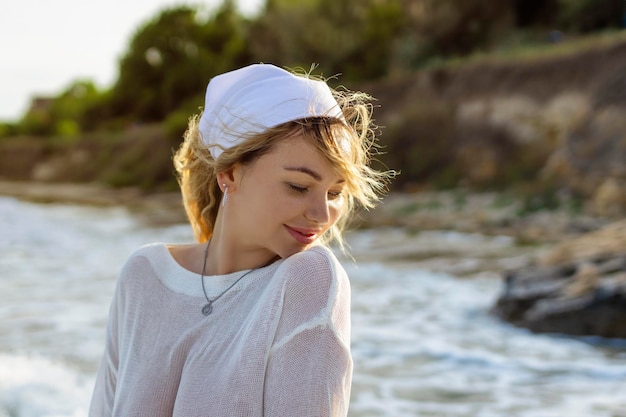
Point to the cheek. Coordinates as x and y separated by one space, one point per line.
278 207
335 209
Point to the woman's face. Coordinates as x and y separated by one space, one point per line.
283 201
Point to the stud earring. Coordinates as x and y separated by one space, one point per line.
225 194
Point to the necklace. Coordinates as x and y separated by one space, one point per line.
208 308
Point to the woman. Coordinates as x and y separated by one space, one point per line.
254 320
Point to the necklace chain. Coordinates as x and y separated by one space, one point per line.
208 308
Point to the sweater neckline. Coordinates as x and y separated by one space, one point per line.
181 280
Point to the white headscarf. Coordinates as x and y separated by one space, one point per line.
252 99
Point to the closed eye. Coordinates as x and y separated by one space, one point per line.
297 188
333 195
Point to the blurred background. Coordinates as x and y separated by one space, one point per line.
504 94
504 118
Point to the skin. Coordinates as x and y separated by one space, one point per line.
278 205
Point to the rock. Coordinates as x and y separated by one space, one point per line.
591 161
608 241
600 314
578 288
583 281
565 111
610 198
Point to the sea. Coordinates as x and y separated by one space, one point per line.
423 342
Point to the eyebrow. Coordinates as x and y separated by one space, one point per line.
314 174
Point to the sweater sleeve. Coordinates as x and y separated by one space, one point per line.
103 397
309 370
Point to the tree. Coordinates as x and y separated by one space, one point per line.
60 115
590 15
354 39
172 57
451 28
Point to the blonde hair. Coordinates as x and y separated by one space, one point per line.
197 170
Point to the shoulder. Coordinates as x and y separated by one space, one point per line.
315 293
316 258
149 252
316 261
314 271
145 258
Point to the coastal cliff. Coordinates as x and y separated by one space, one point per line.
548 127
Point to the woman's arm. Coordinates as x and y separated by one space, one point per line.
309 371
103 396
309 376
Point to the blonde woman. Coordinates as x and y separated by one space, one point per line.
254 318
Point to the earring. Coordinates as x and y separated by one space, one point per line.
225 194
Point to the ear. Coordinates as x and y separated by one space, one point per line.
227 179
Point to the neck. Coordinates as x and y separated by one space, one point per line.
227 254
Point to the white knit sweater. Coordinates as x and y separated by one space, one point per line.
276 344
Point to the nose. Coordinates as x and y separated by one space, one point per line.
318 210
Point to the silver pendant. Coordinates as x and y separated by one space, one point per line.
207 309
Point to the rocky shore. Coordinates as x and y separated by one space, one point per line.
488 213
576 288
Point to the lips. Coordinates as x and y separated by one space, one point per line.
304 236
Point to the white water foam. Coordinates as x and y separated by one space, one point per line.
32 386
